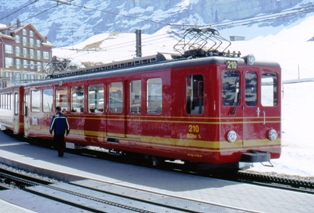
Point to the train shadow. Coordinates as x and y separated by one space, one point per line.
72 167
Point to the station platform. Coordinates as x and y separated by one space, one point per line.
249 198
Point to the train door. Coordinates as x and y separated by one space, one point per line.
115 111
260 106
232 111
26 106
16 112
95 125
251 108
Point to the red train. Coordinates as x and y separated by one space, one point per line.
203 106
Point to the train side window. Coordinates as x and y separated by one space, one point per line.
35 100
4 104
8 101
47 100
250 88
195 94
135 96
16 103
230 88
26 98
154 95
11 101
77 99
62 98
116 97
5 101
96 98
269 89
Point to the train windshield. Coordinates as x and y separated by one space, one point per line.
230 88
250 89
269 89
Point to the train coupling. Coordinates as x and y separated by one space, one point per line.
248 158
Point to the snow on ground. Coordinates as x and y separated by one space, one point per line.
108 47
290 47
297 155
287 45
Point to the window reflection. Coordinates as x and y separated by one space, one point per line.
250 89
36 94
116 97
47 100
96 98
269 89
154 95
195 94
135 96
77 99
62 98
230 88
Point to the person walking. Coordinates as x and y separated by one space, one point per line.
60 126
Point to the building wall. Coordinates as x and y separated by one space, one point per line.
24 55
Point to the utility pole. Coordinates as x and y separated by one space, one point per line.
138 43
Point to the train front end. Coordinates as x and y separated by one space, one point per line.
250 114
239 102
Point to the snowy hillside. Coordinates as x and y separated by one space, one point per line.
72 21
289 45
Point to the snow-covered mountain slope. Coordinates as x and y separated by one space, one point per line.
289 45
73 21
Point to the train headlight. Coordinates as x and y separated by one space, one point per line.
272 134
249 59
232 136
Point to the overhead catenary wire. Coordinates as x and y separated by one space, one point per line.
40 12
21 8
288 12
109 12
301 9
125 45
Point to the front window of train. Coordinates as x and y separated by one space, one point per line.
250 88
269 89
230 88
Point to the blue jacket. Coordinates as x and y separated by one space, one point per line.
59 124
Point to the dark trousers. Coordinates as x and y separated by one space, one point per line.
59 143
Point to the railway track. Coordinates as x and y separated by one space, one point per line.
96 196
294 183
274 180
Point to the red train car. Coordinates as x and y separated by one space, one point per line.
210 108
11 109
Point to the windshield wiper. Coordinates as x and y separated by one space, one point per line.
237 98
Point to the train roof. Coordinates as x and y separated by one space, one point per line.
151 63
